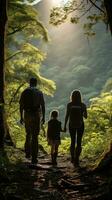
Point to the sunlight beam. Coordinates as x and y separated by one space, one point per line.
59 2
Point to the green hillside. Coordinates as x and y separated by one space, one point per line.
76 63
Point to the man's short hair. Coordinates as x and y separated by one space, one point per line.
33 82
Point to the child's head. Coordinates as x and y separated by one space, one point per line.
54 114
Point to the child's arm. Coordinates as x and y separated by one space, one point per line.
61 130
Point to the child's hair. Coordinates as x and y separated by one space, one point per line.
54 114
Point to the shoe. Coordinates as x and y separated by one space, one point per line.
34 162
72 160
76 162
27 156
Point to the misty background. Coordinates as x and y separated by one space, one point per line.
73 61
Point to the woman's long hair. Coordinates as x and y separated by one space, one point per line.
76 97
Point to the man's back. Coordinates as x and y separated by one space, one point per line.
31 99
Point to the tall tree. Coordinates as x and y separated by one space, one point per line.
3 21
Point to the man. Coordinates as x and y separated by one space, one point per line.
32 105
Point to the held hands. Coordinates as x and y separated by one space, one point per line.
22 121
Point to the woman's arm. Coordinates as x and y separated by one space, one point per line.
85 112
66 117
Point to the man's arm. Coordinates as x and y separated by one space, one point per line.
21 109
85 112
43 108
21 114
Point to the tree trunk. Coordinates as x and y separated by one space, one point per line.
108 6
3 20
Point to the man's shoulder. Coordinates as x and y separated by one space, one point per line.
32 89
37 91
26 90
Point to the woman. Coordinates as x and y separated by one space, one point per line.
76 111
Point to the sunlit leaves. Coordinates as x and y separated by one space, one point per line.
75 10
98 126
74 20
24 18
108 85
58 16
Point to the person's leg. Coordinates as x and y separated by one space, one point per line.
56 153
35 132
28 135
80 132
52 152
72 146
28 145
34 147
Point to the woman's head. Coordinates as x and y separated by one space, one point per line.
76 97
54 114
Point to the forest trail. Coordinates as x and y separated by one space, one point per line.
45 182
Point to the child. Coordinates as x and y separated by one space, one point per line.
53 135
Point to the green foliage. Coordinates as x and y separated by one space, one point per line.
80 9
24 18
97 135
23 61
108 85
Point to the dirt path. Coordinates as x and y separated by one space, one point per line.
45 182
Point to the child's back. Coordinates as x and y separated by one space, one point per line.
54 128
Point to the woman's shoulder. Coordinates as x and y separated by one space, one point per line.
69 104
50 121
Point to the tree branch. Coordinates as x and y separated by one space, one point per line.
94 4
16 30
10 57
12 99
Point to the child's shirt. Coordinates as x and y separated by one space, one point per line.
54 129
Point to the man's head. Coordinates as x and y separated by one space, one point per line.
33 82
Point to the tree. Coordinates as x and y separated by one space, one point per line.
22 23
3 21
94 10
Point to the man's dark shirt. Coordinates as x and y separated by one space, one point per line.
31 99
